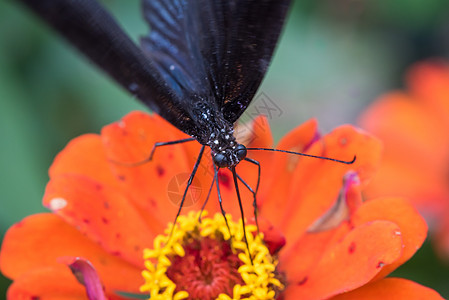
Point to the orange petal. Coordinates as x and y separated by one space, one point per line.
303 256
316 183
348 201
272 237
349 264
426 190
391 289
102 214
331 228
414 151
39 240
429 82
256 133
278 168
404 124
412 226
54 282
148 185
84 155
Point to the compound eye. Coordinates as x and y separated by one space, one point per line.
241 151
221 160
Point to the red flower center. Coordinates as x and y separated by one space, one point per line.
208 269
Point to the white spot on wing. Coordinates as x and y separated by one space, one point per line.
133 87
57 203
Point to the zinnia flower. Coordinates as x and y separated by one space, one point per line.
110 223
413 126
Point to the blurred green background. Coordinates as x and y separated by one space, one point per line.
334 58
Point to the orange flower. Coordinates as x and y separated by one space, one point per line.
413 126
106 213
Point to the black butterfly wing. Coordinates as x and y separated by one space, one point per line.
218 48
214 51
173 45
89 27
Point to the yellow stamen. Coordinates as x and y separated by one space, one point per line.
258 276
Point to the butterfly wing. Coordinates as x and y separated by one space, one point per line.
214 48
172 45
90 28
197 50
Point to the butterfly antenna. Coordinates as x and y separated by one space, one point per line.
350 162
150 157
236 184
189 183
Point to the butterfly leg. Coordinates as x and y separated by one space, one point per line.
254 200
189 183
207 199
257 189
220 200
160 144
236 184
150 157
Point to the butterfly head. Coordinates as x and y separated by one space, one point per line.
230 157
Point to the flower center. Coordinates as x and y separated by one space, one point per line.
204 261
208 269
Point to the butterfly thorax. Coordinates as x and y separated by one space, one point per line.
218 134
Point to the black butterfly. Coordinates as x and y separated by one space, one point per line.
199 67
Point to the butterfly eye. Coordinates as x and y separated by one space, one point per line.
221 160
241 151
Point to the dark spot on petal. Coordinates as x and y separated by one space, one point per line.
118 235
137 248
153 203
380 264
86 221
350 224
124 132
116 253
160 171
351 248
303 281
106 204
104 220
98 187
121 177
170 155
35 298
224 180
